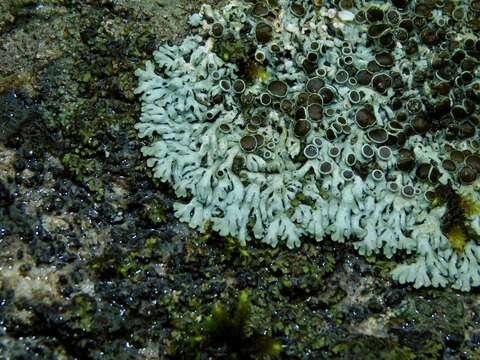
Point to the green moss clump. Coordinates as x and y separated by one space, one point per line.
227 332
78 167
155 213
286 288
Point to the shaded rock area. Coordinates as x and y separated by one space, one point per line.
93 264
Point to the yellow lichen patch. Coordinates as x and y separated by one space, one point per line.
457 237
437 200
256 72
469 206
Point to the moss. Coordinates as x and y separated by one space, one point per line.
118 263
82 310
285 289
155 213
370 347
227 332
112 264
150 284
333 296
298 281
95 186
425 323
232 248
11 11
78 167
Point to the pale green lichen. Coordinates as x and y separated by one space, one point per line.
245 150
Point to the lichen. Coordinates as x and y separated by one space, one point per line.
366 148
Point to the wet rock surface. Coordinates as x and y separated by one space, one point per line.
93 263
